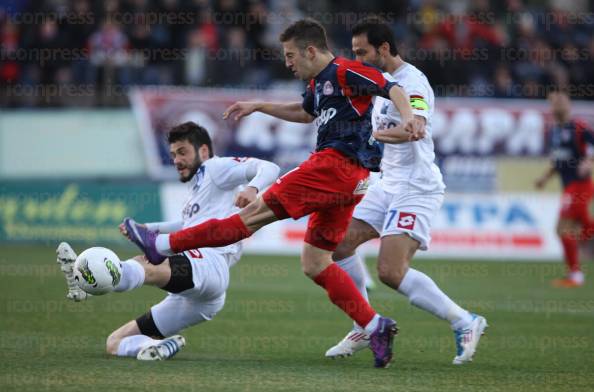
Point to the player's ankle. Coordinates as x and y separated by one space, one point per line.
372 325
576 276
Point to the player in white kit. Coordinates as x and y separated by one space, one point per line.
400 207
196 280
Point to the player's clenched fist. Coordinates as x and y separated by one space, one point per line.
240 109
416 127
245 197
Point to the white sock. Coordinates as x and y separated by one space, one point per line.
576 276
353 265
162 245
366 275
422 292
132 276
372 325
131 345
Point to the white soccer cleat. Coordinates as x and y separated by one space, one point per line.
467 339
355 340
66 259
165 349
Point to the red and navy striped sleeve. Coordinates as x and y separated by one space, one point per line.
359 79
308 98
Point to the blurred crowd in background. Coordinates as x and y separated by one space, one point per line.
88 53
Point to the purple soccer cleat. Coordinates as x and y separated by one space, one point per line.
144 239
380 341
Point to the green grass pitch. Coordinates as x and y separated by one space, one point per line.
276 326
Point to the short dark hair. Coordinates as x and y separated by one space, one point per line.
377 31
306 32
192 132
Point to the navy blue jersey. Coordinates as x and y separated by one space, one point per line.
340 97
569 146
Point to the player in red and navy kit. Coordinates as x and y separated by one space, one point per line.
327 186
572 153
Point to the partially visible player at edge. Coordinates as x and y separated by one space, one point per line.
327 186
572 156
195 280
400 207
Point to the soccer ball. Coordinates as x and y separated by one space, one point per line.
97 271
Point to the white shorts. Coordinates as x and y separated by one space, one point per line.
404 213
210 274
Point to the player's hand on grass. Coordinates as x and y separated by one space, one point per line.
239 110
245 197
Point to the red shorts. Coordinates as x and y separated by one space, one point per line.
328 186
575 201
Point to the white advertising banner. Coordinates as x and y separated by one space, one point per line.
510 226
466 127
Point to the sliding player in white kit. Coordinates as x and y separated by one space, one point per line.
400 207
196 280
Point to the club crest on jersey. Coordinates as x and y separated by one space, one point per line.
406 220
362 187
328 89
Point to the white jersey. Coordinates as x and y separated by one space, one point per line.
408 166
212 194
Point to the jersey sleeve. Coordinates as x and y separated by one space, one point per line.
587 138
588 135
308 99
359 79
228 173
419 98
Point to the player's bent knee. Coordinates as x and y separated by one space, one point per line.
343 250
392 274
112 343
312 268
309 270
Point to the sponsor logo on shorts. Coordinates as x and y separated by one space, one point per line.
406 221
280 179
362 187
195 254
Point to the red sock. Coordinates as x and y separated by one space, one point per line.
210 234
587 230
570 248
343 293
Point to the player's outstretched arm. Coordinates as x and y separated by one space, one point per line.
293 112
402 103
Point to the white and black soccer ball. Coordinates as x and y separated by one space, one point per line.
97 270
